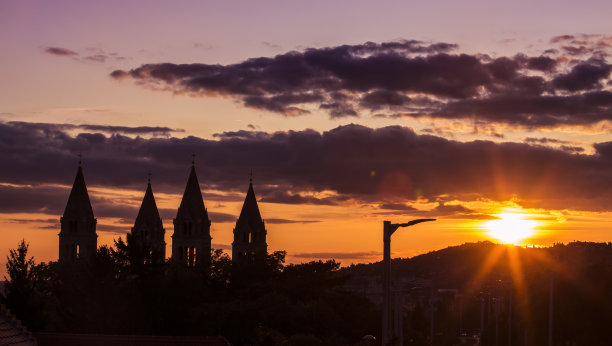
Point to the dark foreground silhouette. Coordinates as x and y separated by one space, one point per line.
497 294
501 294
259 301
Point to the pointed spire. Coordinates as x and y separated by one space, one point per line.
148 215
192 204
78 205
250 215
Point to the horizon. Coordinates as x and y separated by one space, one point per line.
492 118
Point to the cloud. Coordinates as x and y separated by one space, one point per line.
284 197
137 130
60 51
449 211
285 221
221 246
397 206
114 229
92 54
363 255
584 76
17 199
348 165
217 217
409 79
545 140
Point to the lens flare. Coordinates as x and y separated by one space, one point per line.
510 228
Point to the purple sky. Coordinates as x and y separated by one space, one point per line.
345 109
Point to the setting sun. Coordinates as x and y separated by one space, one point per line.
510 227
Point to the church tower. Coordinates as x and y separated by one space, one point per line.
191 238
77 237
148 231
250 231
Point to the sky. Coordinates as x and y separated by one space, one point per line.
348 113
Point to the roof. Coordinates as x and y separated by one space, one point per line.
78 205
250 216
148 215
53 339
12 332
192 204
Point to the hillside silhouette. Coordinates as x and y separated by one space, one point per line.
498 294
503 290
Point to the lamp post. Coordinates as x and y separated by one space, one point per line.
388 230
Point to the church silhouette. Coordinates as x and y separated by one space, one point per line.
191 240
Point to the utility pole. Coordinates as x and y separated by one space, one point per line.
431 316
550 311
388 230
510 317
482 308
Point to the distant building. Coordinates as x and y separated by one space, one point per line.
148 231
191 238
250 231
77 237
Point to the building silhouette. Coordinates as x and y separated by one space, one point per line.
77 237
250 231
148 231
191 238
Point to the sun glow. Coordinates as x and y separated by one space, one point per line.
510 228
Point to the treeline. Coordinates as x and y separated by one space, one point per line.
503 293
259 302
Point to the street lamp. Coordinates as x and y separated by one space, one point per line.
388 230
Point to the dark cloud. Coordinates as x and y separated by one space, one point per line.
47 200
60 51
584 76
397 206
442 210
217 217
93 54
545 140
386 166
407 79
535 111
571 149
379 98
114 229
140 130
276 196
542 63
136 130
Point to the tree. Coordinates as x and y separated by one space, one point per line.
23 289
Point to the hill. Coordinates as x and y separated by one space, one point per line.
500 291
